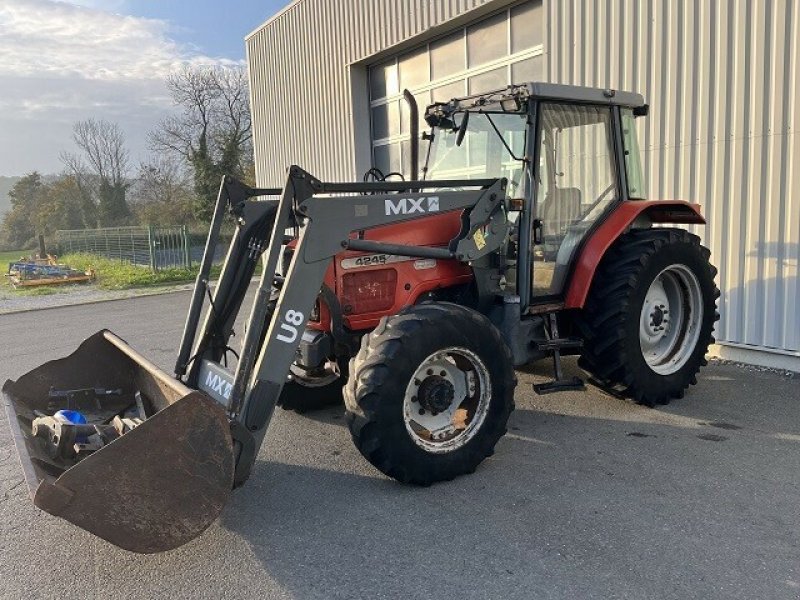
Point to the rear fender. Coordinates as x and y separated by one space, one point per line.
628 214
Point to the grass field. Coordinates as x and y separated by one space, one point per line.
116 275
7 257
111 274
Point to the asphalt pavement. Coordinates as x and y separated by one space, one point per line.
588 496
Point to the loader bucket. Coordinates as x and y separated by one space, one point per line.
155 487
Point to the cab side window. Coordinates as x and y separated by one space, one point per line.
576 185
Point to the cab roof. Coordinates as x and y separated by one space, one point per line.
513 97
589 95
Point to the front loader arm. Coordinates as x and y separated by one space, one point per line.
326 223
157 459
254 219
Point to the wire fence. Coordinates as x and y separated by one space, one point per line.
156 247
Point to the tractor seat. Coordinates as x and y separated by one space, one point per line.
562 207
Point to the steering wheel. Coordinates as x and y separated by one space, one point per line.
374 174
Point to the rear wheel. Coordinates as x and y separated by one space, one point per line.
430 393
650 315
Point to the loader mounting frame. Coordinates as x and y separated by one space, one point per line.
323 215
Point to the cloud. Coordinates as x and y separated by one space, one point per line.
106 5
60 62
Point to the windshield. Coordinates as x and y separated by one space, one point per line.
482 154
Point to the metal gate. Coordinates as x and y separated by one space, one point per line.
151 246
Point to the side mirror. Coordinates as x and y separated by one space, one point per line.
462 129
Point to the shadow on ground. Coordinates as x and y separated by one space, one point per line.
588 496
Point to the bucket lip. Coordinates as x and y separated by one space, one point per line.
28 470
123 346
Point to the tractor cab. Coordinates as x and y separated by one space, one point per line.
569 153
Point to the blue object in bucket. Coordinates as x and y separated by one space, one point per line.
74 417
70 416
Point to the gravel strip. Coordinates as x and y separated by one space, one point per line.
72 295
755 368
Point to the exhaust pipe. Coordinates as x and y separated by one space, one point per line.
413 110
157 485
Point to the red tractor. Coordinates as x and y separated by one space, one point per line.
583 271
527 236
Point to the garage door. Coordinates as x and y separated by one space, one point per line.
489 54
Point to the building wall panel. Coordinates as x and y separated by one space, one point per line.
721 77
302 85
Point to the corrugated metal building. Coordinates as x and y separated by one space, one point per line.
722 78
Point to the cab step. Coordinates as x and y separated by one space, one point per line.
556 345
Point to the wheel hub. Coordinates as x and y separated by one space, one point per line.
446 400
657 316
670 319
659 319
436 394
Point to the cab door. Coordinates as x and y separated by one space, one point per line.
576 184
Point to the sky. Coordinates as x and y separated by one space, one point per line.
64 61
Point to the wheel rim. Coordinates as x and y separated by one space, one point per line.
669 324
446 400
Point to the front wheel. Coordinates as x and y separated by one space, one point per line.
650 315
430 393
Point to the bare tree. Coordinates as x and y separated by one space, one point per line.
87 185
195 92
103 144
162 193
159 180
101 169
232 111
212 134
